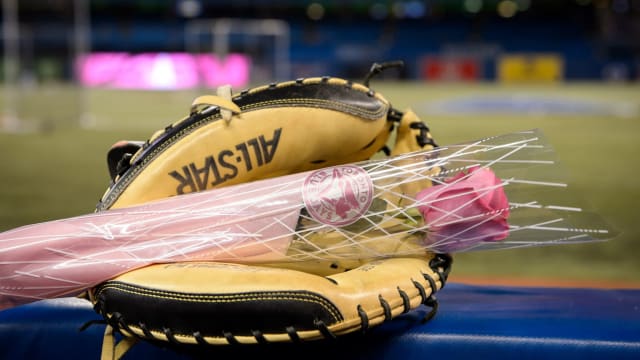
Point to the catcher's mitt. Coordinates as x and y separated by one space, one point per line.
264 132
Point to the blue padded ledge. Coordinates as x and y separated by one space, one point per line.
473 321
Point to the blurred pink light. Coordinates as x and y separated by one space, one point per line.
162 71
233 71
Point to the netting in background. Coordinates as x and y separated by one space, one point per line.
265 42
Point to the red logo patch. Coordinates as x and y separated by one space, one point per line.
339 195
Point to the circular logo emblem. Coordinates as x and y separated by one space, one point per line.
339 195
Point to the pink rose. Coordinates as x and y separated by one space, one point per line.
467 209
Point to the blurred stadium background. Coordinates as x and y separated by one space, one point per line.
79 75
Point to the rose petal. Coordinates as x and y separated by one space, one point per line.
469 208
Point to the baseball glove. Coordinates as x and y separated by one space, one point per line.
260 133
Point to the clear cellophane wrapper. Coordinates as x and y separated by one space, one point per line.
499 192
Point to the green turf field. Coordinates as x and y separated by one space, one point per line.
58 169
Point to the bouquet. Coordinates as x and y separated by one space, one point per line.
499 192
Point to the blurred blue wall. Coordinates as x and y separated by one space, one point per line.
594 41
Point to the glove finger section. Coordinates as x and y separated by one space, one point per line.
215 303
385 289
223 303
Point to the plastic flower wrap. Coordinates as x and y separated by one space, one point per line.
497 192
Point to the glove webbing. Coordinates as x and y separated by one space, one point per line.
422 138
